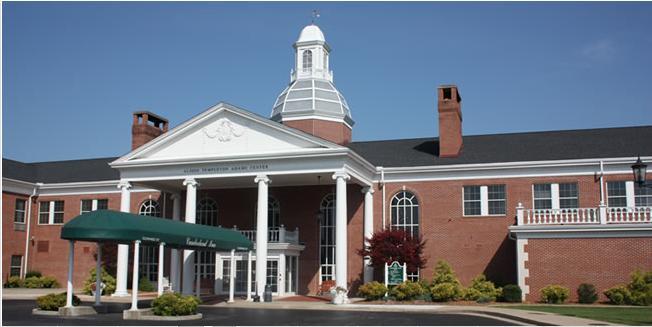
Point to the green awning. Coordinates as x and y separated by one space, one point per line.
122 227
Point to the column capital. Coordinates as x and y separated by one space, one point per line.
137 241
124 185
190 181
341 174
262 178
367 189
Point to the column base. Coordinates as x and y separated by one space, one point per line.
120 294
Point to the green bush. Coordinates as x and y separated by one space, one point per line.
586 293
33 273
485 299
407 291
52 301
107 279
445 285
144 285
13 282
482 288
618 295
512 293
554 294
640 288
175 304
372 291
40 282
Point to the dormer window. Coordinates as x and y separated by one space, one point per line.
307 61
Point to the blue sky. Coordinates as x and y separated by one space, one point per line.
74 72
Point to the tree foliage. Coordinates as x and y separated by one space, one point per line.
395 245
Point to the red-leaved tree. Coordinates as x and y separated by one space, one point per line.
395 245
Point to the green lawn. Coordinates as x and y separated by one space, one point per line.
615 314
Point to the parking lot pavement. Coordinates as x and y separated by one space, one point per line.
18 312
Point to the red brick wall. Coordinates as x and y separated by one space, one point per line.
13 241
328 130
604 262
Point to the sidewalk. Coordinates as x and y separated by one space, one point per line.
522 316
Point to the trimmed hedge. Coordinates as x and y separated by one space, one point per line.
407 291
33 273
618 294
53 301
512 293
14 282
445 285
32 282
586 293
175 304
637 292
554 294
481 288
372 291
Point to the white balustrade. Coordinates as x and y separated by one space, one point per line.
629 215
275 235
576 216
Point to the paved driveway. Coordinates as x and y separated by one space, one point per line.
18 312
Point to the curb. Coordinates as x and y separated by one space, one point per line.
508 316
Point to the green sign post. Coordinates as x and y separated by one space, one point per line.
395 273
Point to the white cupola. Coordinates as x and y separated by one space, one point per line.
311 94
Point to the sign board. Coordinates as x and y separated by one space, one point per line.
395 273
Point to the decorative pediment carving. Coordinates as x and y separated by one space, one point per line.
224 130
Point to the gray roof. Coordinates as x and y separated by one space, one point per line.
531 146
67 171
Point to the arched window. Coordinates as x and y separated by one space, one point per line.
205 260
307 61
405 213
148 257
273 213
150 208
327 238
405 216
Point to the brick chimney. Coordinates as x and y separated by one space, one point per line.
449 105
146 127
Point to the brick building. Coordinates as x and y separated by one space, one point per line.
528 208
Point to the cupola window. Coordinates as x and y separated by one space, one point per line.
307 61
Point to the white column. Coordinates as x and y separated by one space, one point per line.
123 249
134 277
175 273
249 276
161 257
71 266
232 277
217 285
341 278
261 235
188 255
368 230
98 275
280 283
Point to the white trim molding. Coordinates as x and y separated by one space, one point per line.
521 271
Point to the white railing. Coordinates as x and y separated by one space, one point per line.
578 216
275 235
629 215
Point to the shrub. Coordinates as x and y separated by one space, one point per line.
485 299
372 291
107 279
586 293
144 285
445 286
618 295
40 282
640 288
175 304
407 291
53 301
395 245
512 293
554 294
14 282
481 287
33 273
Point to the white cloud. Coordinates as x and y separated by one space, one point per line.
602 50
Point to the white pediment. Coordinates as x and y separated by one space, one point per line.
227 131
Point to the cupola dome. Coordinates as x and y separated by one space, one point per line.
311 33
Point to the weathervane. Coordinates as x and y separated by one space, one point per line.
315 15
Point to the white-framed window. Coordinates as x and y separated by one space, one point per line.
50 212
88 205
205 260
273 213
484 200
19 211
307 60
207 212
628 194
405 213
150 208
16 265
555 196
327 238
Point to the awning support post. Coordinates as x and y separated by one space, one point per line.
161 256
197 281
134 281
249 275
98 275
71 264
232 277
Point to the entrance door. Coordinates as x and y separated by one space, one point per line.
273 275
291 274
205 269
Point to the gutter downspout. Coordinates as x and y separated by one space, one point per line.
601 183
382 184
29 219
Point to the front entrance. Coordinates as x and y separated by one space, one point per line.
282 278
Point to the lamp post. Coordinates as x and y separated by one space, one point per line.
640 169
